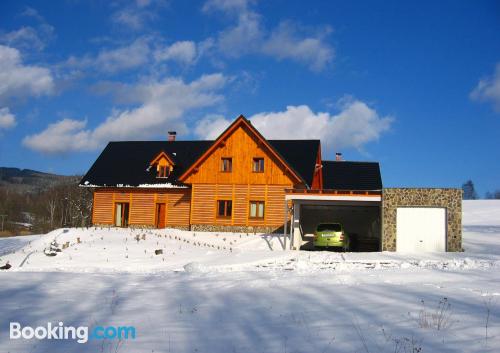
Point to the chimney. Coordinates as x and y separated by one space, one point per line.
171 136
338 156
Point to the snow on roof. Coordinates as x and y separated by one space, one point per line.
158 186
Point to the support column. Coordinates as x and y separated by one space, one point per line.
297 234
285 225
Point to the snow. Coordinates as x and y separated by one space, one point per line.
163 185
232 292
87 184
481 212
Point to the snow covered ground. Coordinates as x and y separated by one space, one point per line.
212 292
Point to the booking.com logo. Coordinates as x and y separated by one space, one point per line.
82 334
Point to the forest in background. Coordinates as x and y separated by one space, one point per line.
32 202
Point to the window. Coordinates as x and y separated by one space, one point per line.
332 227
121 214
162 171
224 208
258 165
256 209
227 165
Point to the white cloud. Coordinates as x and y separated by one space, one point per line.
227 5
211 126
245 37
113 60
488 90
18 80
353 127
131 18
164 103
24 37
63 136
183 52
28 37
31 12
135 15
287 41
7 119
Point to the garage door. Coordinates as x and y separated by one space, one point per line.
421 229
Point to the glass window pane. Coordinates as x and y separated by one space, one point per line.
118 215
229 208
253 209
261 209
227 164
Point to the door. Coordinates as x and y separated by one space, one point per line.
160 215
420 229
121 214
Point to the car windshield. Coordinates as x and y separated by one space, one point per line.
332 227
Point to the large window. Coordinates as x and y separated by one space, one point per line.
256 209
258 165
226 165
224 208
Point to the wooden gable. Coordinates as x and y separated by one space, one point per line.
241 142
163 160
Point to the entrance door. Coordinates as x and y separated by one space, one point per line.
420 229
160 215
121 214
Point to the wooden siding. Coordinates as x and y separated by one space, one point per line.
205 196
178 207
102 210
242 146
142 209
143 206
317 182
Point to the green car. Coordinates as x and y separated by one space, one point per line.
331 235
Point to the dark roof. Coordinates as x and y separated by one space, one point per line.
344 175
126 163
300 155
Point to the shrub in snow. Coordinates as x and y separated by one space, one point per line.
53 249
440 319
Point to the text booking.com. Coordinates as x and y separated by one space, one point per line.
80 334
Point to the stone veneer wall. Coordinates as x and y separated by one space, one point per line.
451 199
140 226
235 229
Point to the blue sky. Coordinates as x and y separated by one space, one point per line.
414 85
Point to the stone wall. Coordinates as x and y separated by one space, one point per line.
140 226
451 199
235 229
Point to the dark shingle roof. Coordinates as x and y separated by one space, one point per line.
344 175
126 163
300 155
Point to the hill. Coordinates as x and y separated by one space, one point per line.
27 180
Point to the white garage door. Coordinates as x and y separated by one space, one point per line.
421 229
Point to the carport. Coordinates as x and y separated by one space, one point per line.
359 213
350 193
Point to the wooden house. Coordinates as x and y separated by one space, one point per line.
242 182
236 182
